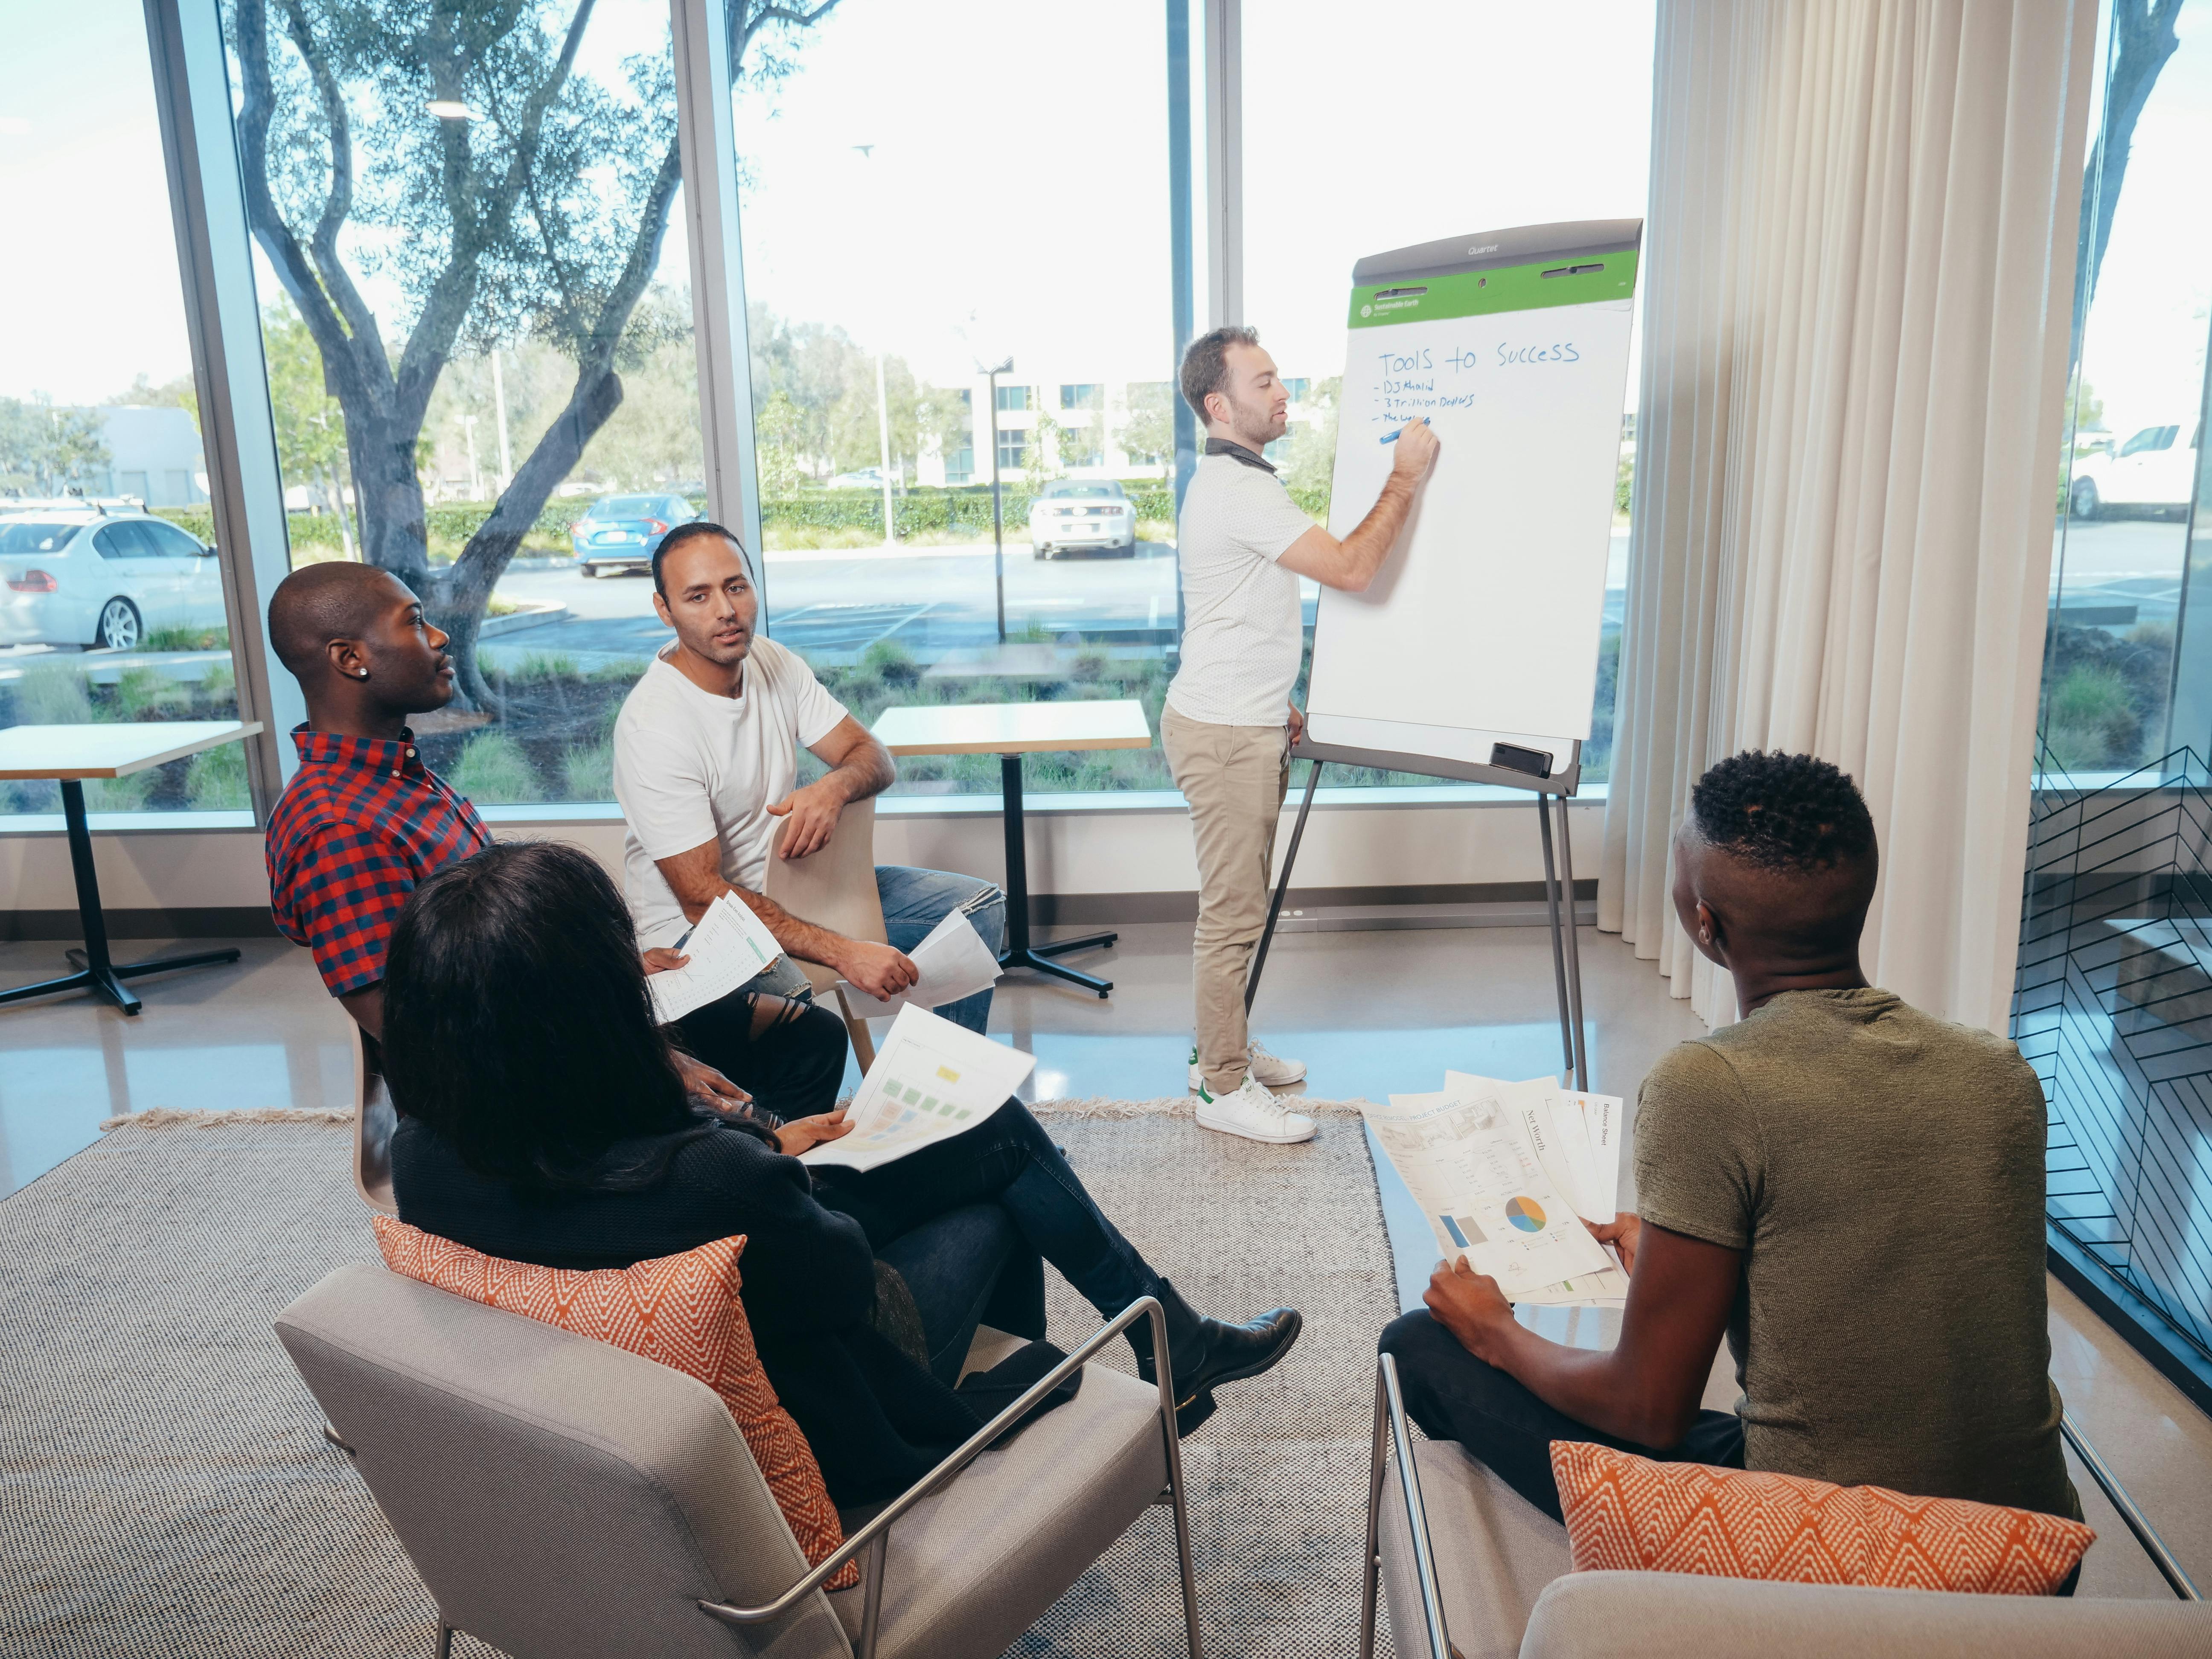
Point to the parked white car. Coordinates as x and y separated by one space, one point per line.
868 477
75 576
1082 512
2153 468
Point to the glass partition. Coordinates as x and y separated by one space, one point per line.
112 606
1560 131
2127 665
477 312
896 251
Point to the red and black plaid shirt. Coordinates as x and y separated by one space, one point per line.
361 822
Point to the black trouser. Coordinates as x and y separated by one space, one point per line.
789 1056
1008 1163
1455 1396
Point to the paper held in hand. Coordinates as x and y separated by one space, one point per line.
1505 1172
931 1080
730 946
954 963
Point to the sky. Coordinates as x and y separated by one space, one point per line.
1013 197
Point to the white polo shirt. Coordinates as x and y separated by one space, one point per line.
691 767
1241 634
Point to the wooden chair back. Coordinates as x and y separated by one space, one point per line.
835 888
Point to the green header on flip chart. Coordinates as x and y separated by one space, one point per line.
1573 280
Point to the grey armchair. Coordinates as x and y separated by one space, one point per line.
1473 1570
564 1499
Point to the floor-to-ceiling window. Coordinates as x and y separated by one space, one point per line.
2137 411
113 603
1454 118
2116 953
930 194
476 305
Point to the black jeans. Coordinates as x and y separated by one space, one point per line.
1455 1396
788 1055
1008 1164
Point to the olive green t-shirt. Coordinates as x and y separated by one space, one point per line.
1882 1173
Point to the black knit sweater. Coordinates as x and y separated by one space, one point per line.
877 1420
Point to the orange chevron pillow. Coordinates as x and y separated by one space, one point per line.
1629 1514
680 1311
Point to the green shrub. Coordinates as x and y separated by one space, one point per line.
626 670
175 636
220 682
541 666
216 779
494 771
588 771
52 697
892 663
138 691
2091 723
118 794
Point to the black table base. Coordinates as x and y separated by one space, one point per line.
1019 952
94 971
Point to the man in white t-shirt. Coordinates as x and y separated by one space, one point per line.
705 762
1229 721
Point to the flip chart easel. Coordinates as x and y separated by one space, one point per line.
1474 654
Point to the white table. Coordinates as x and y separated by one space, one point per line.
71 754
1011 730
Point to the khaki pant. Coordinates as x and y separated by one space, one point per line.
1234 778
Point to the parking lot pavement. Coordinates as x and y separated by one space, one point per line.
930 601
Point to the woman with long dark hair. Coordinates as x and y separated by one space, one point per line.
543 1120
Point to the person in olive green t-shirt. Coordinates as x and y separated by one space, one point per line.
1851 1189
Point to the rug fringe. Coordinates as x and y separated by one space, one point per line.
1177 1106
166 1117
1095 1106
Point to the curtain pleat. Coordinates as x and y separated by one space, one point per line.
1857 278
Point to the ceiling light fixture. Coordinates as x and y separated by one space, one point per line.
450 109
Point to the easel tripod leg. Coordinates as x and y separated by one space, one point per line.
1558 948
1574 951
1282 886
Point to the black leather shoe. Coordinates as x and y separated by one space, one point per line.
1208 1352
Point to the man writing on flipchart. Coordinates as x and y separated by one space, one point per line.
1229 721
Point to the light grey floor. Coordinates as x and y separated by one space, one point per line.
1371 1013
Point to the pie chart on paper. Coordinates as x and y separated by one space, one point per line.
1525 1214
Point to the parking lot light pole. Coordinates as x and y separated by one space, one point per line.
997 526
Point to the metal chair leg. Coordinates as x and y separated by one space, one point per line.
872 1608
1371 1579
445 1642
1163 1365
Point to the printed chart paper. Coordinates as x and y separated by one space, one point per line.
1466 1158
954 963
931 1080
729 947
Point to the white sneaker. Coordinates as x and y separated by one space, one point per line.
1271 1069
1253 1113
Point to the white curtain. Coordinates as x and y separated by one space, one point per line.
1858 277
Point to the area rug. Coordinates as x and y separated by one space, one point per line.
164 1489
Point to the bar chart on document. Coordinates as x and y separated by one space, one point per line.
932 1080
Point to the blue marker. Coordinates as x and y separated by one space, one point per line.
1401 432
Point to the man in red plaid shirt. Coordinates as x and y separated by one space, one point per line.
364 820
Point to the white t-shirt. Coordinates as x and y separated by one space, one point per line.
691 767
1241 631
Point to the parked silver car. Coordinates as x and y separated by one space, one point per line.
84 576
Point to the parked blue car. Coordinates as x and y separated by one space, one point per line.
620 532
